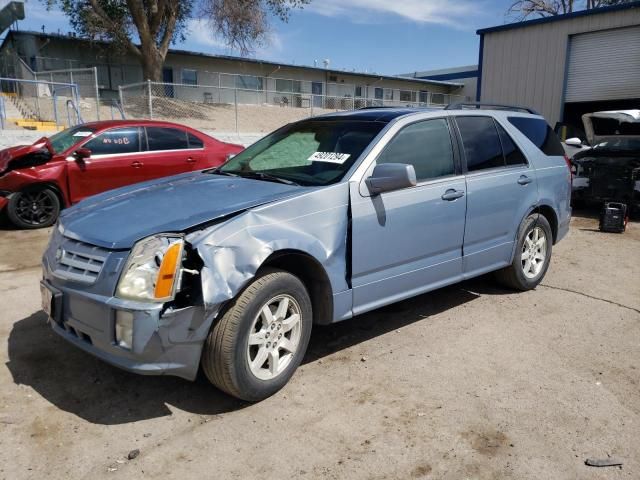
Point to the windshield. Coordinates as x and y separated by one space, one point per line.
311 152
69 137
619 143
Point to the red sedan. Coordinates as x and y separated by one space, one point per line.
36 181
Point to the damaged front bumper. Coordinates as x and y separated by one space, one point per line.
165 340
162 344
4 199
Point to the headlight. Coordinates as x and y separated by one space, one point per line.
152 270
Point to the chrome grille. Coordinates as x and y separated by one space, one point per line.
79 261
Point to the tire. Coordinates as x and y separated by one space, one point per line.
237 368
530 262
33 208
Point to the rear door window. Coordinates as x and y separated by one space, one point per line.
425 145
195 142
160 138
540 133
482 146
115 141
512 154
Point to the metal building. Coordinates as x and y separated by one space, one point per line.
566 65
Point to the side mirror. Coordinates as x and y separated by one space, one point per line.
574 142
82 153
391 176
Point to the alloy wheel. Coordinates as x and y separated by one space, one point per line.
35 208
274 337
534 252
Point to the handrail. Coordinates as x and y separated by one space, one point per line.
3 112
116 104
76 110
21 80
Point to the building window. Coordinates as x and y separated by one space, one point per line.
388 94
288 86
378 93
358 92
189 77
248 82
407 96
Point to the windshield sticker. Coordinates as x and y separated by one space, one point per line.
330 157
82 134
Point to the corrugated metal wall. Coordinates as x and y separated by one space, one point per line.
527 65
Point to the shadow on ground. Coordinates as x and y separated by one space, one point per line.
99 393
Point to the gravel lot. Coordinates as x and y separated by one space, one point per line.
468 382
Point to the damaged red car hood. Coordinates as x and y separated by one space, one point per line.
12 153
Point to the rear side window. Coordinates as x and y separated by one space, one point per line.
512 153
195 142
482 146
425 145
159 138
540 133
115 141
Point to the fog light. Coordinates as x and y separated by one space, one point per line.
124 329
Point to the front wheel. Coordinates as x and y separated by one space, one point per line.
532 255
35 208
259 342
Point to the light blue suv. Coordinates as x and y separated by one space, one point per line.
322 220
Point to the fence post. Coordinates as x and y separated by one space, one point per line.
55 106
95 77
150 102
235 101
2 112
121 99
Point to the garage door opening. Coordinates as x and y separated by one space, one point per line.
572 114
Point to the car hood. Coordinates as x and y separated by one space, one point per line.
7 155
119 218
621 116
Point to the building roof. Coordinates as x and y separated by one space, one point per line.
558 18
244 59
446 74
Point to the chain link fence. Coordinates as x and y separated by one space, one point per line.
89 104
246 110
38 105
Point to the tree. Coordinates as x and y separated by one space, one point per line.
523 9
156 24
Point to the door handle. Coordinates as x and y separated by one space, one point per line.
191 160
137 164
452 194
524 180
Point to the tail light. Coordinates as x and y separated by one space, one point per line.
570 167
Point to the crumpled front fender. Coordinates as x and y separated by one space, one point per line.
232 252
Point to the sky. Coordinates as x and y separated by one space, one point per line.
382 36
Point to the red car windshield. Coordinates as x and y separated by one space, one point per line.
67 138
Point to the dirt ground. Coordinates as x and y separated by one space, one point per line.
468 382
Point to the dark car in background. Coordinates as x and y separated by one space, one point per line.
610 169
37 181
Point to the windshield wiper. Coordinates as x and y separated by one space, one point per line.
262 176
218 171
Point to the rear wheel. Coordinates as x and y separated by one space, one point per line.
259 342
532 255
34 208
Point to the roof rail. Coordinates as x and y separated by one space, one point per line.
495 106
